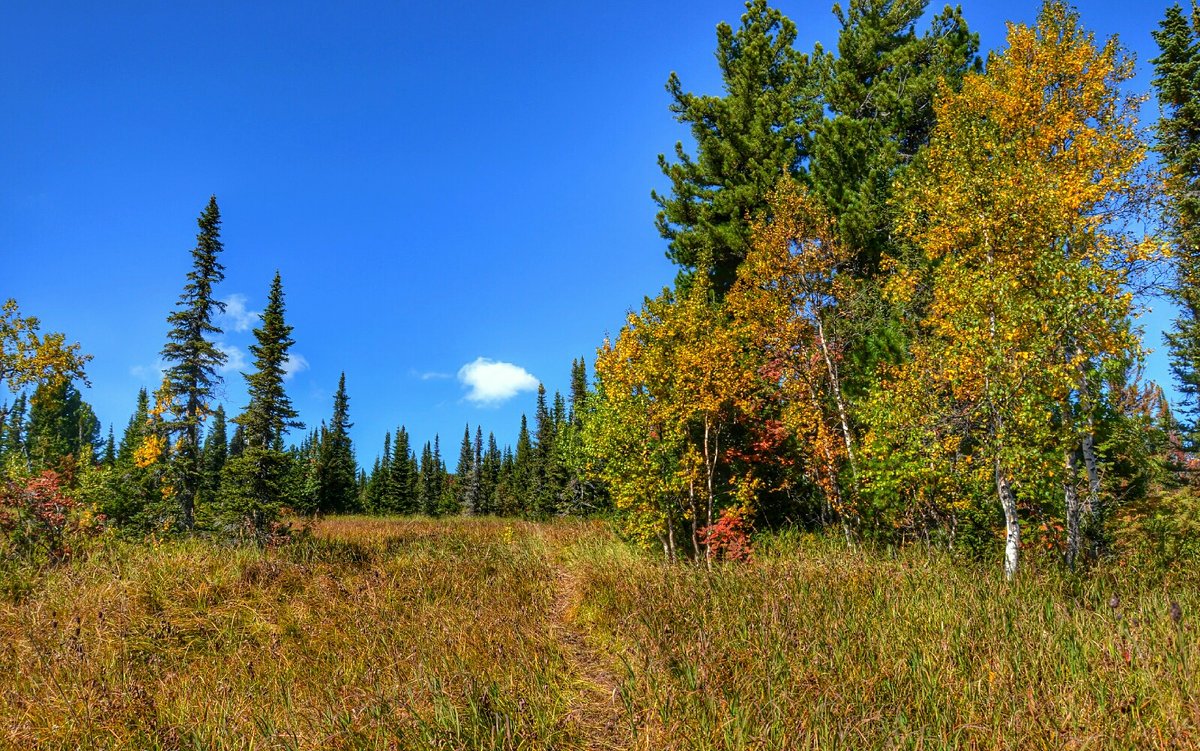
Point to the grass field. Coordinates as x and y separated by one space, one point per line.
486 634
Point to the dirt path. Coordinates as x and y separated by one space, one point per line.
596 712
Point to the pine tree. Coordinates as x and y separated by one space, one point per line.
270 413
256 480
237 444
338 471
745 140
879 91
489 477
427 482
579 390
15 446
193 360
523 471
463 473
135 430
61 424
1177 81
216 452
110 449
403 478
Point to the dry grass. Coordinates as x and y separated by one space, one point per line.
479 634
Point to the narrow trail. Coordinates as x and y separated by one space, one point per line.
596 712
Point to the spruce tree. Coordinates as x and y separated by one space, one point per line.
476 489
1177 82
237 444
194 360
15 446
61 424
489 476
463 473
523 471
338 474
135 430
255 482
403 478
746 140
270 414
579 390
110 449
216 452
427 483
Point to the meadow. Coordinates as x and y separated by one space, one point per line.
472 633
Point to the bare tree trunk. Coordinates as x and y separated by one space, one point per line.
836 387
1012 526
710 469
1091 507
1071 501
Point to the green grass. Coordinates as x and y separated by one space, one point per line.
481 634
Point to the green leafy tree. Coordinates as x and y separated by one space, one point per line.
194 360
745 141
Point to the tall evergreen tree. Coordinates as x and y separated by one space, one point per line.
523 471
338 471
879 92
135 430
216 452
404 479
14 446
427 482
194 360
489 477
110 449
745 141
475 492
1177 82
61 424
463 473
579 389
270 414
237 444
255 481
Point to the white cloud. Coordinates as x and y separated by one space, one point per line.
434 375
152 374
236 316
491 382
296 363
235 358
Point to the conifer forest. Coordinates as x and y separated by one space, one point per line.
881 468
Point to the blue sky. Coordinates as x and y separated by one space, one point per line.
445 188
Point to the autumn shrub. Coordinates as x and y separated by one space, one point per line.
40 521
729 538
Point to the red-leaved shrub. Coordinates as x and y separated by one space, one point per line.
729 538
40 520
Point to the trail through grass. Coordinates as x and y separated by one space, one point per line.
491 634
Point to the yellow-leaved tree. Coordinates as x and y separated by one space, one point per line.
1019 206
669 388
791 301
